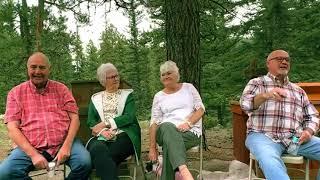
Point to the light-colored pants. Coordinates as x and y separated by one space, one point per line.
268 153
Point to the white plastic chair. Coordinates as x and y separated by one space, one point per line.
287 159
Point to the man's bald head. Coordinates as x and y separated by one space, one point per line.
277 53
40 55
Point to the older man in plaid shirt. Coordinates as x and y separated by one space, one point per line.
278 110
42 121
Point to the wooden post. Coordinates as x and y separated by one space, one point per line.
313 92
239 119
82 92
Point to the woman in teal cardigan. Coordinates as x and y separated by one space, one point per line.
112 119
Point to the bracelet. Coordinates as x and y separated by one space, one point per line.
189 124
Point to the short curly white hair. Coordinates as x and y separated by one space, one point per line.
102 72
170 66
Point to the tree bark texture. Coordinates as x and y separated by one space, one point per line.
25 27
39 27
182 24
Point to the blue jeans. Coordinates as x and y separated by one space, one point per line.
18 164
268 153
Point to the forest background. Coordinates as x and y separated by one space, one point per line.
221 61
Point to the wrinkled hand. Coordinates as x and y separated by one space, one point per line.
305 136
108 134
276 94
97 128
153 154
39 162
63 155
183 127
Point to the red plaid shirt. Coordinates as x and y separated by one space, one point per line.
278 119
43 118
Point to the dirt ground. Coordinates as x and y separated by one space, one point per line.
217 158
219 141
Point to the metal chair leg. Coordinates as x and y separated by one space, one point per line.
257 168
307 170
250 169
142 170
135 173
201 158
64 171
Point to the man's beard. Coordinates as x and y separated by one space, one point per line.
41 85
283 74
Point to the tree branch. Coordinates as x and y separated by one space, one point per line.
67 6
122 4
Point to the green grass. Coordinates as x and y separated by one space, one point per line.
5 144
2 126
4 135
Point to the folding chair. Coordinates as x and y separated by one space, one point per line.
36 173
287 159
196 149
131 163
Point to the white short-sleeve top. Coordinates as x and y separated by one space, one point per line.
176 107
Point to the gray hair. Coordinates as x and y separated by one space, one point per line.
102 72
169 66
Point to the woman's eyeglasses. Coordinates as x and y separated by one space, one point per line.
113 77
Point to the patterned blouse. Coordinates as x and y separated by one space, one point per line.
110 103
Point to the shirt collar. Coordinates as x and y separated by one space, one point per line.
34 89
276 80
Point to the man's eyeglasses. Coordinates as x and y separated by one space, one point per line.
113 77
280 59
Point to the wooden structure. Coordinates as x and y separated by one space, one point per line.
313 92
239 119
82 92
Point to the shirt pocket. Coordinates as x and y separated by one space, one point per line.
52 107
296 108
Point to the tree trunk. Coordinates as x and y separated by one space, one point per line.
24 27
39 27
183 37
134 41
